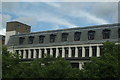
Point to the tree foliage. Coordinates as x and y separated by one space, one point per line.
106 66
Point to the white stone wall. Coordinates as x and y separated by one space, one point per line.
8 34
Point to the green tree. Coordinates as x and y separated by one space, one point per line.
48 67
107 66
9 61
59 68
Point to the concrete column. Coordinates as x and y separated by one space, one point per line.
69 51
34 53
51 52
24 54
45 52
80 65
40 52
83 51
63 52
57 52
19 53
98 51
29 53
90 51
76 52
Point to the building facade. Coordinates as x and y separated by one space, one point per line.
77 45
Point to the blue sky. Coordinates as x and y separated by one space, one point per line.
43 16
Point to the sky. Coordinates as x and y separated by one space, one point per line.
42 16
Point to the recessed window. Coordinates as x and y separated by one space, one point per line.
77 36
41 38
31 39
119 33
86 51
64 37
21 40
106 34
52 38
66 52
91 35
94 51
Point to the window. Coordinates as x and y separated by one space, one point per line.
66 52
21 54
54 52
31 39
37 53
17 52
106 34
32 53
52 38
86 51
21 40
48 52
101 50
79 51
94 51
42 51
41 38
26 53
77 36
119 33
91 35
60 52
73 51
64 37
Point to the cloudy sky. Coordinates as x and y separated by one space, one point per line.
43 16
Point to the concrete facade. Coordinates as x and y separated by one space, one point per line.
77 45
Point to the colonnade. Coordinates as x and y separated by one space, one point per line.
63 51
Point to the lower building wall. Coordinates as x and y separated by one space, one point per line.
77 52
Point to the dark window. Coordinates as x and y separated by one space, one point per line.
79 51
75 65
48 52
64 37
106 34
31 53
66 52
52 38
21 53
60 52
86 51
17 52
77 36
91 35
73 51
26 53
54 52
41 38
119 33
31 39
94 51
42 50
21 40
37 53
101 50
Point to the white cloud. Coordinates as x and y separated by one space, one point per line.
53 4
76 10
2 31
90 18
56 20
27 20
3 19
